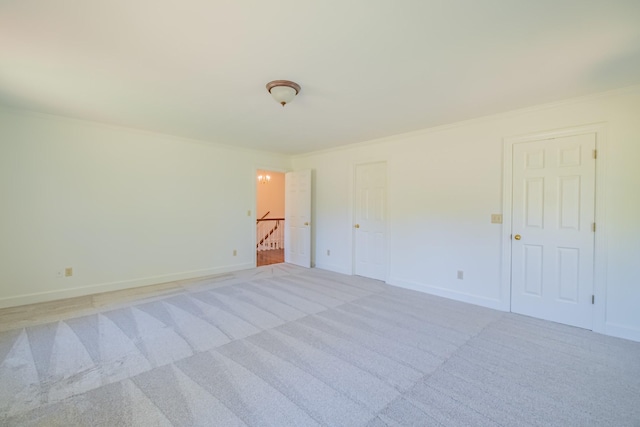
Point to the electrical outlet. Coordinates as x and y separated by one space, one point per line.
496 218
249 212
460 275
235 252
68 272
328 252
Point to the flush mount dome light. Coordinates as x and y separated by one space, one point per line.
283 91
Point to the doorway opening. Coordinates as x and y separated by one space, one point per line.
269 217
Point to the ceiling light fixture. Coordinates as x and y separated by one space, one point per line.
283 91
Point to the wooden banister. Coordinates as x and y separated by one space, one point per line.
263 216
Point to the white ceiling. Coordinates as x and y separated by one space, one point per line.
368 68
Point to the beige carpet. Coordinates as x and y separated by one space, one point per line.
283 346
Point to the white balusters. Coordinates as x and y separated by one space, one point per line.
270 235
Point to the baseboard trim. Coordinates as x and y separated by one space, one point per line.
58 294
334 268
622 331
448 293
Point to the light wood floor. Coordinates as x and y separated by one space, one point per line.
275 256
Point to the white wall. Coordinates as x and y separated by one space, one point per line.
126 208
122 207
445 183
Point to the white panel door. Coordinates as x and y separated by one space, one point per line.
371 220
297 218
552 244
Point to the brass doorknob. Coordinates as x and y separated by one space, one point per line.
306 223
517 237
357 226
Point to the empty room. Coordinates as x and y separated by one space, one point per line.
298 213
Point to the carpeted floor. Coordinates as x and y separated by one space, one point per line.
284 346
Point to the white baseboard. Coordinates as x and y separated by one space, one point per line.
611 329
448 293
622 331
57 294
334 268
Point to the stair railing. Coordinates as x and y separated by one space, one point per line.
270 233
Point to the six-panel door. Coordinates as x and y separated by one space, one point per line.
553 239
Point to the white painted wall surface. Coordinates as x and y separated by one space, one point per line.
124 208
444 184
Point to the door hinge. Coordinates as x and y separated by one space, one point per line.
595 154
593 227
593 299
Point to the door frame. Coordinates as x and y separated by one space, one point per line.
254 213
600 251
352 215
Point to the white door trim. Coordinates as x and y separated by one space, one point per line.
600 252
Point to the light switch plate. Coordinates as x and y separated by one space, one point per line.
496 218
